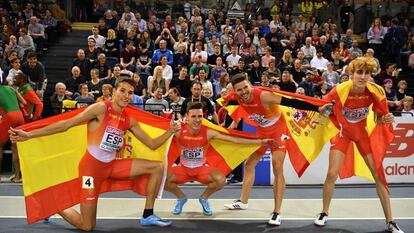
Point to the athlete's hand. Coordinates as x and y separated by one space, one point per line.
326 109
387 118
175 126
18 135
269 142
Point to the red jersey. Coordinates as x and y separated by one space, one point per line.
193 148
105 141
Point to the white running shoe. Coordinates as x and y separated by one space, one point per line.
393 227
275 220
236 205
321 219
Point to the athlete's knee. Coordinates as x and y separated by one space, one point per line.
331 176
221 181
158 167
88 227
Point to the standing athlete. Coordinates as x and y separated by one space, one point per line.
263 108
107 123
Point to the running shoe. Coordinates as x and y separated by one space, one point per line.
206 206
321 219
275 220
236 205
47 220
154 220
179 206
393 227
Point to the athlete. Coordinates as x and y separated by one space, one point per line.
193 141
352 120
107 123
263 108
11 117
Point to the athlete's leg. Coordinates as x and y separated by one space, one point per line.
85 220
336 158
16 162
278 157
216 181
382 192
248 176
171 185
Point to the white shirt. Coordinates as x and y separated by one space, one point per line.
320 64
99 40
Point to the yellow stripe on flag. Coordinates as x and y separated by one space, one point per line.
61 152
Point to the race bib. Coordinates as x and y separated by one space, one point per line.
261 120
112 139
87 182
355 115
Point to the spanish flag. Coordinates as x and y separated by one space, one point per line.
308 130
49 164
380 135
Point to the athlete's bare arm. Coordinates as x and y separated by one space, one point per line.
147 140
214 134
92 112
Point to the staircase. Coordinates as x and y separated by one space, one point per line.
58 60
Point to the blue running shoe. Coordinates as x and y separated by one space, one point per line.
179 206
47 220
154 220
206 207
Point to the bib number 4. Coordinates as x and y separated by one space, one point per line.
87 182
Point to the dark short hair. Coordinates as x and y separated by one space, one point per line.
195 82
22 76
31 54
238 78
124 80
194 105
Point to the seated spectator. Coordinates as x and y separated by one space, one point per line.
337 62
91 52
199 52
95 85
5 34
391 72
265 80
102 66
37 32
156 104
181 58
127 58
308 49
137 101
167 71
99 40
57 98
26 41
273 71
300 91
407 104
197 66
6 65
286 83
330 76
233 58
60 16
297 72
72 83
319 62
175 100
402 86
84 99
83 63
267 57
255 72
221 84
162 51
182 82
50 25
106 93
307 84
354 48
391 95
157 81
343 78
143 65
239 68
286 61
370 53
202 77
102 28
12 45
111 47
343 51
140 88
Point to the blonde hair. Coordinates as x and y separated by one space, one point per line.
111 34
407 99
362 63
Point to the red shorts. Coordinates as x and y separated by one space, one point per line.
342 143
93 172
11 119
273 132
185 174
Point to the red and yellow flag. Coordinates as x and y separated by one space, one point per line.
49 164
308 130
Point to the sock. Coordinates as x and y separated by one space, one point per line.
148 212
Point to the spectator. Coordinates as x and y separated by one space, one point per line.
35 71
345 13
26 41
72 83
106 93
95 85
84 99
182 82
140 88
91 52
111 47
162 51
50 25
343 78
60 16
330 76
343 51
297 72
319 62
395 38
99 40
167 71
255 72
222 84
325 48
143 66
58 97
12 45
402 86
286 83
376 35
347 38
175 99
208 109
102 28
142 24
273 71
307 84
128 54
370 53
390 72
308 49
391 95
83 63
115 75
202 77
102 67
286 61
300 91
110 21
158 81
407 104
197 66
354 48
198 51
15 70
156 104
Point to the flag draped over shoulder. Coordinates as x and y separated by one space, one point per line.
49 164
308 130
380 135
